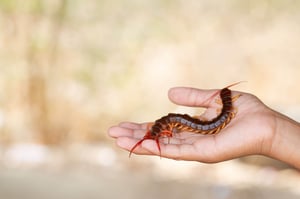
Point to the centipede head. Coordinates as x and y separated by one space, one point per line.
139 143
148 136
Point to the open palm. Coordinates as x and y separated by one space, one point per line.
249 132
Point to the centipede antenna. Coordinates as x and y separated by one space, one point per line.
236 83
217 92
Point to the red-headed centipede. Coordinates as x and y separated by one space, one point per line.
173 122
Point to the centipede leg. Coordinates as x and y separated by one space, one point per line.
158 146
234 98
219 102
166 133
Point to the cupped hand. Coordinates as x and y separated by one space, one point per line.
251 131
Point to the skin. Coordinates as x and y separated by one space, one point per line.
255 129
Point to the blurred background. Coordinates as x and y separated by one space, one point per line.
72 69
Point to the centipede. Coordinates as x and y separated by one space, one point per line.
172 123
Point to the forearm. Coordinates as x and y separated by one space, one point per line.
286 141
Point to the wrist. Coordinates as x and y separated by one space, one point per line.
285 141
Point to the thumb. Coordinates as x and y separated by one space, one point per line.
194 97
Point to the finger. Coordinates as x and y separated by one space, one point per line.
191 96
174 140
203 150
117 131
181 138
133 125
149 147
171 151
210 149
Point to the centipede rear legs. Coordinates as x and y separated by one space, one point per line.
233 99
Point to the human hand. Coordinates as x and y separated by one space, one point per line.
251 131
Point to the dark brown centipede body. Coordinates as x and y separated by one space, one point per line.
184 122
173 122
